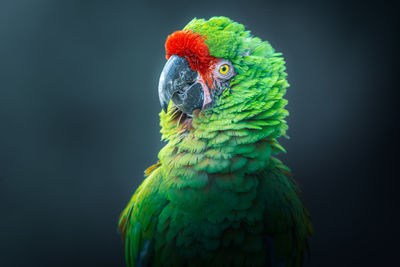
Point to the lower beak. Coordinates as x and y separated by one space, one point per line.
178 82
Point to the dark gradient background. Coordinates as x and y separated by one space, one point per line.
79 121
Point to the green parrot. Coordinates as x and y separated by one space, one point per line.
218 196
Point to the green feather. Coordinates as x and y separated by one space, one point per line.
217 192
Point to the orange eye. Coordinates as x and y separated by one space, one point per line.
224 69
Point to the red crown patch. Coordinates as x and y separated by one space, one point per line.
191 46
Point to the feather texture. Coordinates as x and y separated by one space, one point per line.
218 196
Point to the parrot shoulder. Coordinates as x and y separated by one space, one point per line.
287 220
138 220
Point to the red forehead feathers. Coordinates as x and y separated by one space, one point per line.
191 46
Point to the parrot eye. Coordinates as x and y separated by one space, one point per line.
224 69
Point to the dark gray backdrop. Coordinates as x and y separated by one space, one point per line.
79 121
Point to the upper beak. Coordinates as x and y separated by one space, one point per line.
178 82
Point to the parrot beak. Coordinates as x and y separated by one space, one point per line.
178 82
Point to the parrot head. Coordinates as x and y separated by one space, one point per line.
218 77
192 78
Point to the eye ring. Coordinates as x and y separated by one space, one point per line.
224 69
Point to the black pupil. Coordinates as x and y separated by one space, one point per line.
223 68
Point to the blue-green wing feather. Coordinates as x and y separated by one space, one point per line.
138 221
287 220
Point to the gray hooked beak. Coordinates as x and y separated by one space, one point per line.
178 82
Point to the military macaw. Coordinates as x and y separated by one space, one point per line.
218 196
